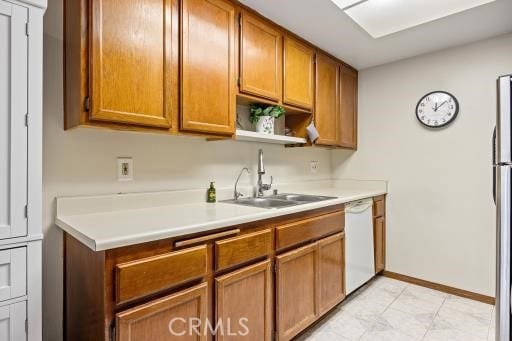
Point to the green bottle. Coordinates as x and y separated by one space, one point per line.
212 195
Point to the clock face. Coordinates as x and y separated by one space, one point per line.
437 109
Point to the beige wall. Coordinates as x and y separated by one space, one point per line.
441 224
83 161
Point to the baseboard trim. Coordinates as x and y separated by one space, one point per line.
440 287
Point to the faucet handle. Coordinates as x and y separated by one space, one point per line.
266 187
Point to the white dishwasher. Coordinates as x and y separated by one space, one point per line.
359 261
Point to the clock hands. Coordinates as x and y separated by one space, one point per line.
436 108
440 105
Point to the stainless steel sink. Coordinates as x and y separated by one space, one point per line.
279 201
302 197
262 202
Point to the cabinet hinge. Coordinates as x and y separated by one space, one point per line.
87 104
26 326
27 120
113 332
27 29
239 81
240 19
26 211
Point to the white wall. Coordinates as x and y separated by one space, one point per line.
441 223
83 161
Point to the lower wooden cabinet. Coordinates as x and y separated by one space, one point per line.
379 235
180 316
379 232
244 304
257 282
309 282
296 290
331 269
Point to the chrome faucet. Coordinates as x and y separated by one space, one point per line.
237 194
261 171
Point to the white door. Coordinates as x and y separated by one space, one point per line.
13 110
12 322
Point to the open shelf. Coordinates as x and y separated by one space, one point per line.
245 135
245 99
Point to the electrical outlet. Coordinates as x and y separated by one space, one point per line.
313 167
124 169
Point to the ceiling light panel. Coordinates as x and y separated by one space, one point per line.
345 3
382 17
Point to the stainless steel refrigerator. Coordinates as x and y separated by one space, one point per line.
502 170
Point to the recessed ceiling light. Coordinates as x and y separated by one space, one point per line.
383 17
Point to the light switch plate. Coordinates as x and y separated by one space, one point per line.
124 169
313 167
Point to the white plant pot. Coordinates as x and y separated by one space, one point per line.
265 125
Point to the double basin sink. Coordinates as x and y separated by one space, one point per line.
279 200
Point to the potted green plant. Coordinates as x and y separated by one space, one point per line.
263 117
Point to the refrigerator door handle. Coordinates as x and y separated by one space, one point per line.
503 252
494 165
504 122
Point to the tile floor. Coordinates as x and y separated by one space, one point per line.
386 309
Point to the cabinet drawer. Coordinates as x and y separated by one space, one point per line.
240 249
309 229
13 273
149 275
379 207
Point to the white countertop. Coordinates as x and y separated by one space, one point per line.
111 221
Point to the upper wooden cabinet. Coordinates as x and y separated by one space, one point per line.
179 66
327 104
348 109
298 74
208 73
260 58
133 72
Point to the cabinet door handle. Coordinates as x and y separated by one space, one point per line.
203 239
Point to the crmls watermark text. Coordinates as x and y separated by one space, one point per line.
180 326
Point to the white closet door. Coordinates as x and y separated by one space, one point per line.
13 108
12 322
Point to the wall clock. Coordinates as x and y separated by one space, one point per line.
437 109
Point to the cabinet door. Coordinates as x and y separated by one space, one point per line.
348 109
379 236
296 286
244 304
331 269
208 78
298 74
134 61
12 321
260 58
181 316
13 273
13 130
327 104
